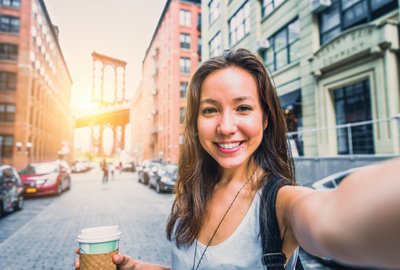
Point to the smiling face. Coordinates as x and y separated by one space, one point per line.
230 121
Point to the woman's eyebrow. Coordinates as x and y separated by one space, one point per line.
242 98
208 100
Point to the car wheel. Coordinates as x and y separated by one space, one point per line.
1 209
158 188
59 189
69 184
19 204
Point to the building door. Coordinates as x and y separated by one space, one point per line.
353 104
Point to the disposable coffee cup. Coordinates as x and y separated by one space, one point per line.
97 245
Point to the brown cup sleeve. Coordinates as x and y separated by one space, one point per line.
97 261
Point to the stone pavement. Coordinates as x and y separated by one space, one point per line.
48 240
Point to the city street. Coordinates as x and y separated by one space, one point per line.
43 235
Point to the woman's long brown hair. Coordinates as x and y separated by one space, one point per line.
198 172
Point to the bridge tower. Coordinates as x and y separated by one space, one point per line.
108 93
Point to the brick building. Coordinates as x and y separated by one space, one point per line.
35 86
334 63
158 105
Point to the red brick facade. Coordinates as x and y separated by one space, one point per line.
41 124
157 104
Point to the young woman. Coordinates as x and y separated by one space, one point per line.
235 142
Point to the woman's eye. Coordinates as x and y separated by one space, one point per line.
207 111
244 108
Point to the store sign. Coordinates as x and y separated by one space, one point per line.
354 44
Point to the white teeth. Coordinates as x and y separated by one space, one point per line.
229 145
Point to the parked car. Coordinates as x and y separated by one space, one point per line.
146 169
48 178
163 179
333 180
11 190
80 167
128 167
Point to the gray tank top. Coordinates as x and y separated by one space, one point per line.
241 251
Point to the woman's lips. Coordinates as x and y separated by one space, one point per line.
228 148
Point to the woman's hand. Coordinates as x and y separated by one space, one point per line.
123 262
127 263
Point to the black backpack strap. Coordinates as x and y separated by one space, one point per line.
273 257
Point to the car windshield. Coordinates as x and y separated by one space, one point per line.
171 169
329 184
40 168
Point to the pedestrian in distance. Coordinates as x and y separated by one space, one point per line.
120 167
235 146
104 168
112 167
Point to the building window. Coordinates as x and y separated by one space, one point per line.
215 45
185 17
284 47
214 7
9 24
8 81
184 41
7 112
11 3
184 64
8 51
353 104
199 22
199 48
239 24
6 145
269 5
343 14
183 89
182 113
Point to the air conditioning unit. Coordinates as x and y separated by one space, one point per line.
319 5
262 45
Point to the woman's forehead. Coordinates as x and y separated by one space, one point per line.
232 82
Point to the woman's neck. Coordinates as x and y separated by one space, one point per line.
240 175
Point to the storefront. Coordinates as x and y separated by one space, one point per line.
356 78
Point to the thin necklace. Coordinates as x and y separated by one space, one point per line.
215 231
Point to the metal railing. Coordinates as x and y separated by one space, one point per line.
372 137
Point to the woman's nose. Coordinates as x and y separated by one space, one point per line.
227 124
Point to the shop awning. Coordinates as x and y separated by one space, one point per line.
289 99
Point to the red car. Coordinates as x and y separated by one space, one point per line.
48 178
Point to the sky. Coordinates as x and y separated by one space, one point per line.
121 29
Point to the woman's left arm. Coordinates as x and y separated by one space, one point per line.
357 223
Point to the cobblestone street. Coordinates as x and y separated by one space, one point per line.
43 235
48 239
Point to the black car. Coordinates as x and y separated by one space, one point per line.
11 190
164 178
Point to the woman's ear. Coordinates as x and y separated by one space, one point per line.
265 124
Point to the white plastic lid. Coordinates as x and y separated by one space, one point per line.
99 234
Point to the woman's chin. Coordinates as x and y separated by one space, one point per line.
231 164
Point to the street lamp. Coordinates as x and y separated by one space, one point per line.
28 146
19 146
